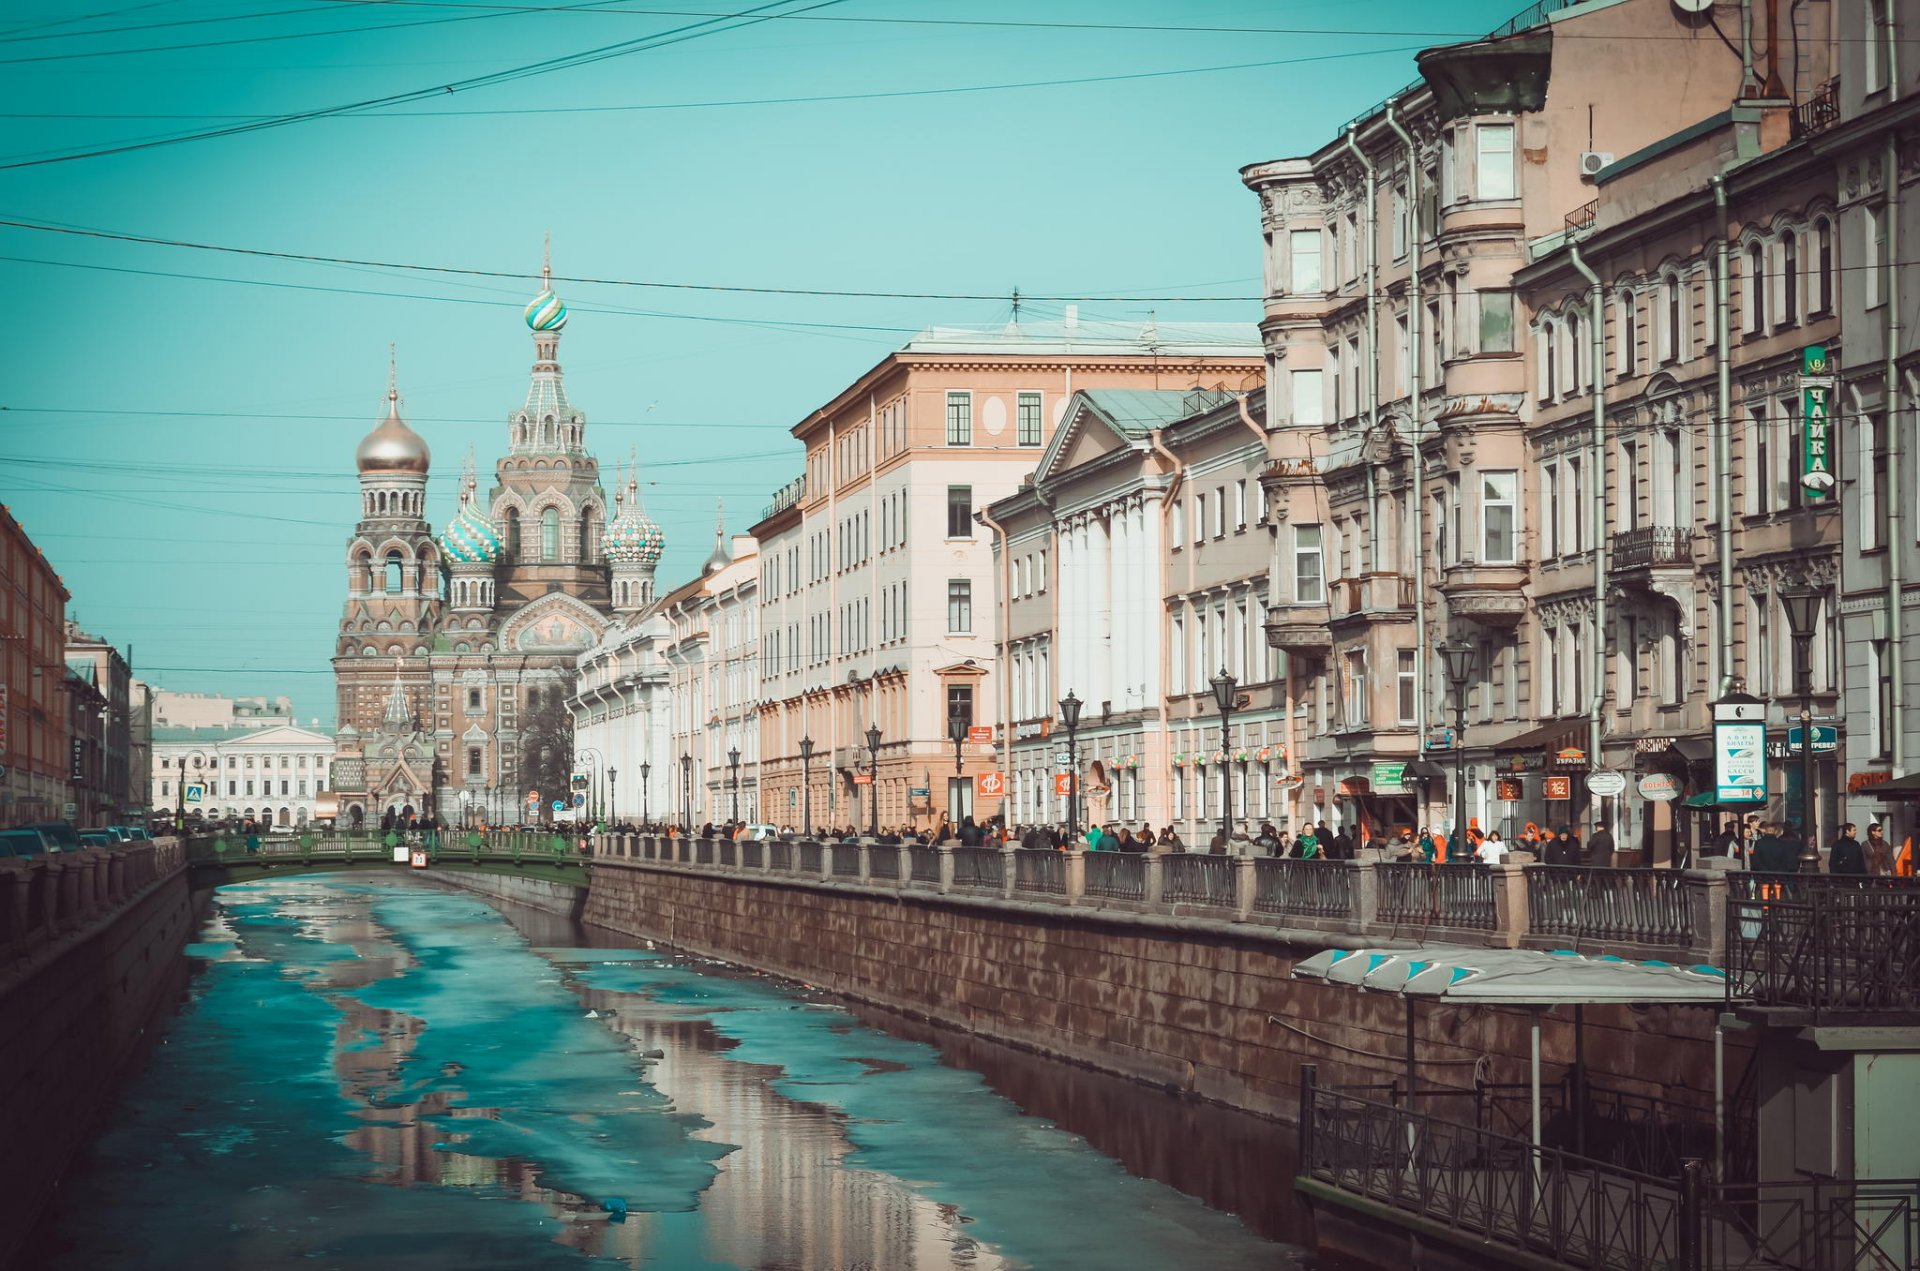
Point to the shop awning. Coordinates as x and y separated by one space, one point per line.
1516 977
1557 734
1907 787
1425 770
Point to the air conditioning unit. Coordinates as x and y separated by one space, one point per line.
1591 161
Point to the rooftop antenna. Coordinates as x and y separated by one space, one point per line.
1016 306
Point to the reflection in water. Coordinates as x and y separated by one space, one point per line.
386 1075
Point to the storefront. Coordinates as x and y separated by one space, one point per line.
1540 779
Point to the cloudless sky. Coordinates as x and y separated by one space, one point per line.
177 426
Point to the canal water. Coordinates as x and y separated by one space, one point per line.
376 1073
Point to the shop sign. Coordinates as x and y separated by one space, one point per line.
988 785
1570 757
1659 787
1606 784
1063 783
1826 739
1522 763
1816 400
1390 778
1858 781
1352 786
980 735
1559 789
1740 762
1509 789
1652 745
859 779
79 755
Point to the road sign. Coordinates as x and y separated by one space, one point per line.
919 792
1659 787
989 785
196 794
558 806
1606 784
980 735
1063 760
533 796
579 800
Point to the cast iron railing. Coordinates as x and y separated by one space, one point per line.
1186 879
752 854
883 861
1813 1225
1042 870
779 855
977 867
703 851
1305 889
1424 895
1650 545
810 858
1117 875
926 863
846 860
729 852
1638 906
1819 112
1828 947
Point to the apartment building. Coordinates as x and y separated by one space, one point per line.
878 586
711 650
33 703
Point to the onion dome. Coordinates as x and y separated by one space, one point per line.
470 537
392 446
546 312
722 550
633 537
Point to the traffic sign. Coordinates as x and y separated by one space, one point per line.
579 800
558 806
989 785
1063 760
196 793
533 796
1606 784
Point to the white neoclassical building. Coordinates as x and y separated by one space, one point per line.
275 774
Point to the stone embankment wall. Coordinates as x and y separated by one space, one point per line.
90 966
538 893
1200 1005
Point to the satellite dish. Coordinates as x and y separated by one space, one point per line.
1693 6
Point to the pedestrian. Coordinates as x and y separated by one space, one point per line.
1341 847
1879 852
1307 846
1268 840
1425 848
1170 840
1146 842
1094 836
1773 852
1561 849
1847 857
1218 845
1491 850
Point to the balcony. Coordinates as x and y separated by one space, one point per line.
1653 547
1819 112
1494 595
1366 595
1299 628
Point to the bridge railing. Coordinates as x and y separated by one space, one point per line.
45 897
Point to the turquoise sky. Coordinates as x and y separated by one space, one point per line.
179 424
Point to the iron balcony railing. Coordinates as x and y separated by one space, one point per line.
1652 545
1637 906
786 496
1583 216
1819 112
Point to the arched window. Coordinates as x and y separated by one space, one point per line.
396 574
550 534
1823 283
589 537
1756 287
1789 278
510 524
1673 338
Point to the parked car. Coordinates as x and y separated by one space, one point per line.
99 838
761 833
59 835
24 842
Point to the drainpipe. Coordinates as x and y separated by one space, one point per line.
1004 660
1896 677
1373 327
1723 438
1893 61
1597 330
1414 357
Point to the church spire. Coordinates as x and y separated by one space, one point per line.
722 549
547 423
399 715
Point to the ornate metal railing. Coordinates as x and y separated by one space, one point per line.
1832 948
1648 546
1198 880
729 852
977 867
883 861
1042 870
926 863
1437 895
1640 906
1819 112
1306 889
810 858
752 854
703 851
846 860
1116 875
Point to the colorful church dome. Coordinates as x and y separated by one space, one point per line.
633 537
547 312
470 537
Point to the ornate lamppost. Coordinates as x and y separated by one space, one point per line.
686 789
1802 604
873 749
646 771
733 780
1459 666
613 802
806 786
1225 693
957 734
1070 720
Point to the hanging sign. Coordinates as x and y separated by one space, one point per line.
980 735
1389 778
1606 784
989 785
1063 783
1559 789
1509 789
1660 787
1816 399
1740 762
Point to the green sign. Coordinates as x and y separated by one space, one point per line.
1390 778
1816 431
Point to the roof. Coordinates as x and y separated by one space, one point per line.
1135 412
271 735
1094 338
1516 977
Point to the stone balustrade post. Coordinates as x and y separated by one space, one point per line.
1510 914
113 877
16 879
1009 870
68 879
1706 892
1366 899
867 848
826 862
1076 882
1246 880
903 871
1155 877
946 867
90 897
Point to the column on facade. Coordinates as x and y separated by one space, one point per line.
1100 585
1115 631
1067 609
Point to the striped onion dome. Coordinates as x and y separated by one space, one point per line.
470 537
547 312
633 537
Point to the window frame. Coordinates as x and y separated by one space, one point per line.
959 417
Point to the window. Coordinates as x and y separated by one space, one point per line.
473 704
1549 351
1574 346
1672 330
1499 516
1029 408
1493 161
1496 321
1823 282
1179 534
1399 221
1873 228
959 419
959 511
1629 334
960 702
1872 434
1309 407
1759 462
1220 511
550 534
1333 373
1239 505
1876 45
1626 674
1309 576
1789 278
396 574
1303 260
1549 510
1409 687
959 606
1403 354
1756 288
1041 587
1353 688
1880 717
1629 494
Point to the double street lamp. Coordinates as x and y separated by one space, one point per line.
1070 720
1802 604
1459 664
733 768
806 787
873 780
1226 692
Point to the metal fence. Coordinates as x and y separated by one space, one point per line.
752 854
1303 889
703 851
977 867
926 863
1198 880
810 858
846 860
1814 1225
1829 948
780 855
1042 870
1642 906
883 861
1424 895
729 852
1117 875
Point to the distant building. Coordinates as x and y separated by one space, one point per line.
274 774
100 744
711 649
33 699
209 710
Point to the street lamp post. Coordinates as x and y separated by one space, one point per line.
1070 720
806 786
613 803
1225 693
957 734
646 771
1802 604
873 748
1459 664
733 766
686 789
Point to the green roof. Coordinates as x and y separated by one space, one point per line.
1135 412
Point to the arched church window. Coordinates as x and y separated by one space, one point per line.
511 524
590 537
396 574
550 534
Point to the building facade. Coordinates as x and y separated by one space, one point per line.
457 655
34 709
173 709
276 775
107 789
710 646
877 585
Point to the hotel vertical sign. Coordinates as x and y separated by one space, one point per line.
1816 430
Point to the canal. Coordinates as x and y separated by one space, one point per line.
372 1072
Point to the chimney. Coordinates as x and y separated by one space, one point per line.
1073 316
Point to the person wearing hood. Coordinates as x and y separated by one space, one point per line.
1562 849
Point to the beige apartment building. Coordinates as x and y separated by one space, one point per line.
711 650
1419 404
877 583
